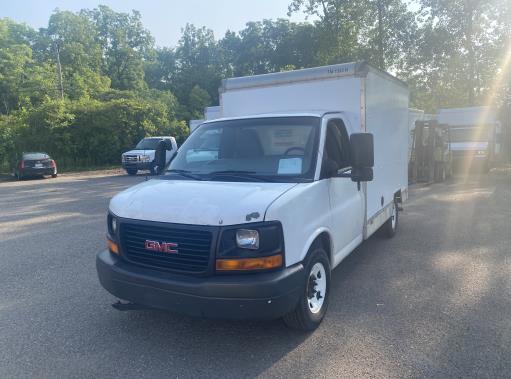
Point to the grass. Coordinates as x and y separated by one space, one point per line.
5 172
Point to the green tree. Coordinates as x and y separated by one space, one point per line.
458 54
379 31
125 43
197 101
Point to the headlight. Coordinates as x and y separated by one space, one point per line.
145 158
259 239
247 239
481 152
112 226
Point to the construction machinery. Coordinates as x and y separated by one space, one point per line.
431 156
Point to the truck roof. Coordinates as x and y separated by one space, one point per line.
356 69
319 113
160 137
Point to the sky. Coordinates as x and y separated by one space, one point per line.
164 19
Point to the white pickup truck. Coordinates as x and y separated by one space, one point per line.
143 156
259 207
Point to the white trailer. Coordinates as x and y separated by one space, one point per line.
303 166
475 134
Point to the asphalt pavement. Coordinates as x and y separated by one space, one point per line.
435 301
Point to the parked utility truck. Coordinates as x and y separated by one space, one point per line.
143 156
259 206
474 135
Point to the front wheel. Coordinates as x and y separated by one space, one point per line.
313 303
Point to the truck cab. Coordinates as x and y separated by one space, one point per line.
143 156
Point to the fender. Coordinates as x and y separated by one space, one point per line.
311 240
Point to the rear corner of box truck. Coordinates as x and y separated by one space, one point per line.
386 118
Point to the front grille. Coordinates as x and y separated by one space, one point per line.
193 247
131 158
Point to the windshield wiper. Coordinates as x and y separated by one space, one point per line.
184 173
241 175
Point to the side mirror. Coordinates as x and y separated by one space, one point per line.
364 174
331 168
362 150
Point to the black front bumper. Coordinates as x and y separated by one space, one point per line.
138 165
32 171
249 296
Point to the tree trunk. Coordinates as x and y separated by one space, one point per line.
381 48
60 72
469 40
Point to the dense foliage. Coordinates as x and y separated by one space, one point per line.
92 83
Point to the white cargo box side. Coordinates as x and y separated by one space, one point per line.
387 119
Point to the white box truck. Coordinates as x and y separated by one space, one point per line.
474 135
260 205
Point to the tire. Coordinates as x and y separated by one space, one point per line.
389 229
313 303
486 168
132 171
440 175
54 175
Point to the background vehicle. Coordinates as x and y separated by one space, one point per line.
143 157
34 164
472 135
259 206
431 158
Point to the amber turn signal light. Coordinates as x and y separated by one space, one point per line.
113 247
263 263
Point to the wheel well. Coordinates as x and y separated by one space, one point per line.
324 240
398 198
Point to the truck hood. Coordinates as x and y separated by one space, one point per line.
197 202
140 152
468 146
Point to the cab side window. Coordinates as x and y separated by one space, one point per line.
337 147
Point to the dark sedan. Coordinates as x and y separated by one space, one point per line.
34 164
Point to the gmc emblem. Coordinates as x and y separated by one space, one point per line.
161 247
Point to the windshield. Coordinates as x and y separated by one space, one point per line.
276 149
35 156
148 144
469 135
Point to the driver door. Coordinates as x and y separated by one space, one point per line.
346 201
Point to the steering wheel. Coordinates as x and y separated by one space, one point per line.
294 148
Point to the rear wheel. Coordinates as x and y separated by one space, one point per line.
54 175
132 171
389 229
441 174
313 303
